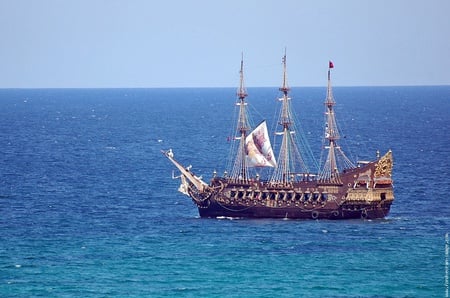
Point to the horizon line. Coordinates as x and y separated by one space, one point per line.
226 87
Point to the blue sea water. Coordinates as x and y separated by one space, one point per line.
88 207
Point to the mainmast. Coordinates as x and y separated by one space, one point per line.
290 161
336 160
240 167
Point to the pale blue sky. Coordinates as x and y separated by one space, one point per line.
131 43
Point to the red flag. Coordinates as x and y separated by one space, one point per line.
330 64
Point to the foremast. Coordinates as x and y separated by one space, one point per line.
336 160
290 161
239 171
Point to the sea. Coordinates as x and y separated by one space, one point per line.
89 206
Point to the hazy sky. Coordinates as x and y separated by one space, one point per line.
193 43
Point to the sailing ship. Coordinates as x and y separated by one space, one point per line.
340 190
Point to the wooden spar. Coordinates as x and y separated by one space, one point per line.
290 160
240 167
198 183
331 168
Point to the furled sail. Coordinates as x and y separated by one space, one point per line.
258 149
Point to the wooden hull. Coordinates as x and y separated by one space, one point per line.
293 210
216 210
363 192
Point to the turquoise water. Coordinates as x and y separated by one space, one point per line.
88 207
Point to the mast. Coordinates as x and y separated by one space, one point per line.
336 160
240 167
290 161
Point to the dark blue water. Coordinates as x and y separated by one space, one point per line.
88 207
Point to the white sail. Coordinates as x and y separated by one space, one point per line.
184 186
258 149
